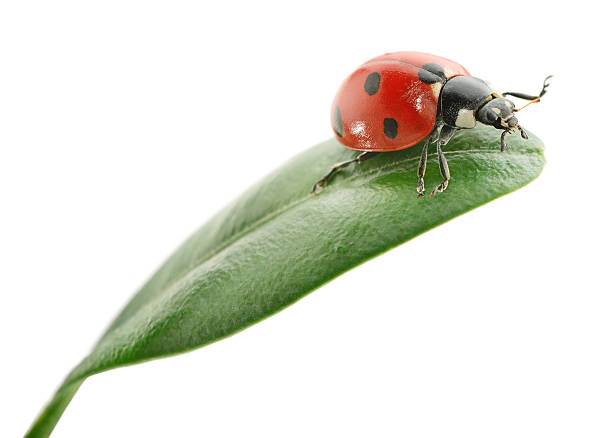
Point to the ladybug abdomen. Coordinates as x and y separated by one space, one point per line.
383 106
390 102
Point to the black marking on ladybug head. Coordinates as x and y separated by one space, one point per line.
338 122
372 83
460 98
390 127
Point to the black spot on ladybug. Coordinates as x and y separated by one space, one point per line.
435 69
390 128
372 83
338 122
429 77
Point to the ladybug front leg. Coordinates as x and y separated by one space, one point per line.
446 134
529 96
358 159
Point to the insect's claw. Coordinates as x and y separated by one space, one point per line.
545 85
318 185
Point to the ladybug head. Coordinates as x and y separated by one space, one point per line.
499 113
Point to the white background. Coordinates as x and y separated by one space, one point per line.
124 125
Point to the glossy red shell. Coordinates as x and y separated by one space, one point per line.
400 96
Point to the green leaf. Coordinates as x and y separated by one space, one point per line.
277 242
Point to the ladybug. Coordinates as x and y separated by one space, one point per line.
396 100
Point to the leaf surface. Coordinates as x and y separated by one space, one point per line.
277 242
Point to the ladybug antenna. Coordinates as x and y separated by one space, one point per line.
527 104
533 99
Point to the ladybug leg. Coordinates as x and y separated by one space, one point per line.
421 171
358 159
528 96
423 161
444 171
445 135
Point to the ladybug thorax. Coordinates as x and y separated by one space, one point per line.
461 98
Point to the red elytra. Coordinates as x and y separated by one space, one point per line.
398 111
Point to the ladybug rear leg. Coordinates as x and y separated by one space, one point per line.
445 135
358 159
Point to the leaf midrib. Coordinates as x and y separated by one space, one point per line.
381 170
